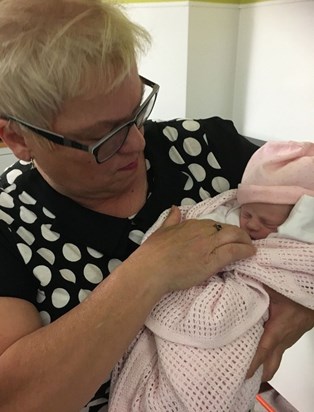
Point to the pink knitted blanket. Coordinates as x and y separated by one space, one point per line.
197 344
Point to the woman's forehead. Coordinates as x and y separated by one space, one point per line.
98 108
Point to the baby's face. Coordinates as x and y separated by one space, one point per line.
261 219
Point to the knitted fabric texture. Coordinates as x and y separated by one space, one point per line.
278 172
197 345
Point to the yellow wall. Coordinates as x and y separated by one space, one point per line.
191 1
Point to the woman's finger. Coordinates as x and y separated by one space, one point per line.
173 218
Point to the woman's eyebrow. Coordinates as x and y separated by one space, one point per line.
89 130
110 123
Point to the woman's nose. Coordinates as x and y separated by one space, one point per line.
134 142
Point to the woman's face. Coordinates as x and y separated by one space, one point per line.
86 119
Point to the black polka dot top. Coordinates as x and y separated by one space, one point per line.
54 252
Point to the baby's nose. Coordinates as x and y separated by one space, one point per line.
253 224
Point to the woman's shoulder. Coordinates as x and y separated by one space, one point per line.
212 142
213 131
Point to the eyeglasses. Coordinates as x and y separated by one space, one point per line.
109 144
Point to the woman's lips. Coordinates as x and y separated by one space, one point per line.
130 166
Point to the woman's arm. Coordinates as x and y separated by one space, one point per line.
288 321
60 366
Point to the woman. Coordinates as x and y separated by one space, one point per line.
72 109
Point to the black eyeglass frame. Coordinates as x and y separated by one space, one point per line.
94 148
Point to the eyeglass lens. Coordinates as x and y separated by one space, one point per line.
116 141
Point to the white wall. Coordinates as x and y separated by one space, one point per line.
6 158
274 87
166 63
192 56
253 63
213 31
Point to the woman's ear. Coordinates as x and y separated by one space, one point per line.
14 140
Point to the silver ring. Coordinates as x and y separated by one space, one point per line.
217 226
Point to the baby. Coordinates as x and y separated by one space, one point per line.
261 219
197 345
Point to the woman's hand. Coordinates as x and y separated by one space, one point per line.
288 321
182 254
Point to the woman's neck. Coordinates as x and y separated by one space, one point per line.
119 203
123 205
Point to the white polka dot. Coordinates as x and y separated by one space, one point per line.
83 294
204 194
148 166
136 236
41 296
93 274
60 298
68 275
171 133
71 252
175 156
43 274
212 161
205 138
192 146
94 253
220 184
187 201
11 176
27 199
25 251
26 235
48 213
47 255
45 317
6 200
197 171
113 263
48 234
26 215
11 188
189 182
5 217
191 125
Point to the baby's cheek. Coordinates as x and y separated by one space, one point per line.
242 223
268 231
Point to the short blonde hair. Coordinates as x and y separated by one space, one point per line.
54 50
